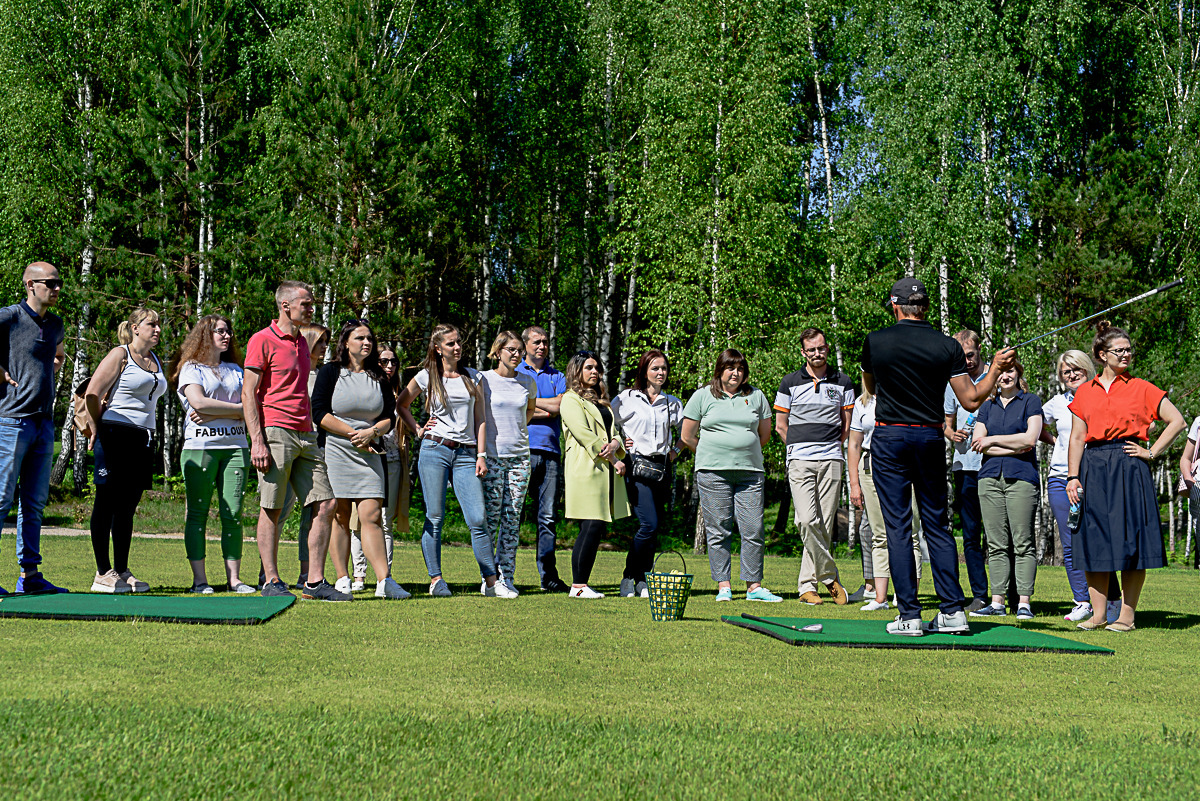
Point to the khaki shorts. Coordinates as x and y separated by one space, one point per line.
296 462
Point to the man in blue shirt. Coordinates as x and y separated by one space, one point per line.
31 352
545 453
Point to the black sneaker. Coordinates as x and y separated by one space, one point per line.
554 585
323 591
276 589
977 604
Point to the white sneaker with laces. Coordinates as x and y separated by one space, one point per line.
388 588
497 590
585 592
1112 611
359 583
948 624
906 628
1080 611
874 606
342 585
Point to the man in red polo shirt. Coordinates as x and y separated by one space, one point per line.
283 444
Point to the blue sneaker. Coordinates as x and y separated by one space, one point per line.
724 594
991 610
36 584
763 594
440 589
3 591
1024 613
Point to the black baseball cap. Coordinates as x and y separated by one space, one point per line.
904 289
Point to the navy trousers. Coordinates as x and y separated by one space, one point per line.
912 459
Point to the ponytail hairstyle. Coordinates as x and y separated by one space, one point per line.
371 363
502 339
574 376
433 364
1106 335
198 347
140 315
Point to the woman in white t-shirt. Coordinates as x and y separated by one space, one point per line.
1189 463
509 399
453 443
208 377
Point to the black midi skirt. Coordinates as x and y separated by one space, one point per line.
1119 527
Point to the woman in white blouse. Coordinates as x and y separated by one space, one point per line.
650 420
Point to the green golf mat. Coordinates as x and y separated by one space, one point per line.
872 634
164 608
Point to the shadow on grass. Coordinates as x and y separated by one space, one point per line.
1166 619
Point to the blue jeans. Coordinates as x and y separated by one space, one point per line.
1060 505
649 502
908 461
438 467
966 493
26 451
544 470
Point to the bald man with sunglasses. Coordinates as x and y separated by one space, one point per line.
31 352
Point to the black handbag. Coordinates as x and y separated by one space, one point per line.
647 469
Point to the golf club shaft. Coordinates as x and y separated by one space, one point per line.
1142 296
771 622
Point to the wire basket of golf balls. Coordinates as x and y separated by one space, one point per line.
669 592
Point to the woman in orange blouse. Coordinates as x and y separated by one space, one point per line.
1108 467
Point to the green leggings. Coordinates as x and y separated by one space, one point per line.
224 469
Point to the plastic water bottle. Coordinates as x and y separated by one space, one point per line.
969 427
1073 514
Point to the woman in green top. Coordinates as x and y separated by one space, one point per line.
726 424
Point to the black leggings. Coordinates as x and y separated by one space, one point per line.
583 555
126 464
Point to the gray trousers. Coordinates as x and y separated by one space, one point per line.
1007 506
726 495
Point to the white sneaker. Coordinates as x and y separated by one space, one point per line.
948 624
1112 611
874 606
497 590
1080 611
388 588
110 582
645 592
342 585
906 628
359 584
584 592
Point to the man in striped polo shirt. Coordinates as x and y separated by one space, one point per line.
812 416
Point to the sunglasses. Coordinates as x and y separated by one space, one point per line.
389 361
51 283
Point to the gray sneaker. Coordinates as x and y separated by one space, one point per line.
628 588
948 624
641 590
440 590
323 591
276 589
906 628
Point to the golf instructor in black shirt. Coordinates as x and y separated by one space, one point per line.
907 367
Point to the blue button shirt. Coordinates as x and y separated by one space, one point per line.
1012 419
544 433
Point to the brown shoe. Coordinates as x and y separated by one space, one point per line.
811 598
838 592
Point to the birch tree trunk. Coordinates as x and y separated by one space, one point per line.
715 232
87 263
585 276
483 280
829 205
204 237
552 327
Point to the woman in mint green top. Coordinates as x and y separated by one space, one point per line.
726 424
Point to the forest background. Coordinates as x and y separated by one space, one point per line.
626 173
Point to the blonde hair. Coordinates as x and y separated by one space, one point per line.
140 315
433 365
502 339
1075 358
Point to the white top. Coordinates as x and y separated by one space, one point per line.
863 419
653 427
222 383
136 394
964 457
507 404
1194 436
455 419
1055 411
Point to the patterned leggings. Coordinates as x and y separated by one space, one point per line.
504 488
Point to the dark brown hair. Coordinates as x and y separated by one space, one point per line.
730 358
811 333
574 377
644 366
1106 334
371 363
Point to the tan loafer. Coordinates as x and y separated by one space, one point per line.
837 592
811 598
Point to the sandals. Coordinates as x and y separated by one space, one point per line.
1119 626
1088 625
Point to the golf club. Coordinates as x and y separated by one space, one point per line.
815 628
1142 296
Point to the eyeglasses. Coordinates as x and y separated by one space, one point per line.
1072 372
222 332
1121 351
511 350
817 350
51 283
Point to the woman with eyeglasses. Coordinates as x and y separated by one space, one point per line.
650 420
1108 463
509 401
592 466
726 424
207 375
353 403
395 469
131 378
1074 368
453 443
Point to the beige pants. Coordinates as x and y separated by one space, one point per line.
879 552
816 493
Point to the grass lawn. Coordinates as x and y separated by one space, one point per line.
547 697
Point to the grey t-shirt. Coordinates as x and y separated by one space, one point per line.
27 349
455 418
507 405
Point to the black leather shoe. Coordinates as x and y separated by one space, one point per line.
554 585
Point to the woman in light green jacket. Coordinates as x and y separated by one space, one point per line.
594 449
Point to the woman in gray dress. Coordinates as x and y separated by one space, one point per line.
353 403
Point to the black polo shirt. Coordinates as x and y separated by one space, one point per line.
912 362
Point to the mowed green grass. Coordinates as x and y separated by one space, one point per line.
548 697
